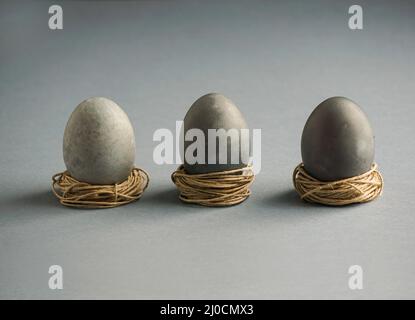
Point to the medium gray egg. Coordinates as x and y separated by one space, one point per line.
337 141
231 150
99 143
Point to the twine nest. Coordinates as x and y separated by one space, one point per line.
214 189
73 193
359 189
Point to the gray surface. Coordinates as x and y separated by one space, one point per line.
276 61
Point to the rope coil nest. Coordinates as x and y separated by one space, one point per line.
214 189
74 193
359 189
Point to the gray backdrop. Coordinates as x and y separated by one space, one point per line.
276 61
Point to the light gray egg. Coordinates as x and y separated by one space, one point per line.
337 141
215 111
99 143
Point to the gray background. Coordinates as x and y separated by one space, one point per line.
276 61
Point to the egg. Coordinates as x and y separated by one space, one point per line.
215 111
337 141
99 143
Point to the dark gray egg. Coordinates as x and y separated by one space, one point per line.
99 143
215 111
337 141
